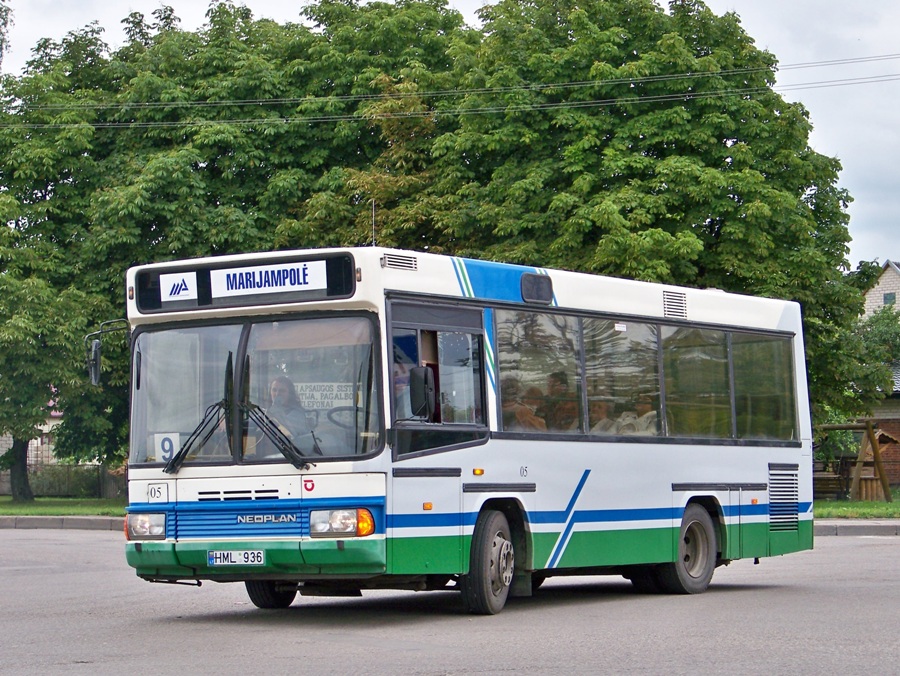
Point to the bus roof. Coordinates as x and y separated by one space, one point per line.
260 282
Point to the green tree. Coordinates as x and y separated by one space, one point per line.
38 325
879 335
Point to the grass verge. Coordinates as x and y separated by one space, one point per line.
62 507
845 509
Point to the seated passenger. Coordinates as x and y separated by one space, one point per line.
642 419
286 410
293 421
560 408
600 418
519 411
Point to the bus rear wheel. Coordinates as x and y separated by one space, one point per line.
491 566
693 568
270 595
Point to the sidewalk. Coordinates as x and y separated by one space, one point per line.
823 527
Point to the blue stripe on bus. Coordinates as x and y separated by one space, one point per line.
570 521
213 511
219 519
457 268
578 516
490 345
745 510
495 281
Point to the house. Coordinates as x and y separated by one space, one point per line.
886 289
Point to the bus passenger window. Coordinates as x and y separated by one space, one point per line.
538 355
622 369
698 394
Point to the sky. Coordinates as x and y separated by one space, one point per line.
853 97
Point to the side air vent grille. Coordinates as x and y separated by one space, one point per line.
674 304
248 494
784 497
399 262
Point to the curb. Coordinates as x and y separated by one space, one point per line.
857 527
63 522
822 527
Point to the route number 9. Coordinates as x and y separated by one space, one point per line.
166 445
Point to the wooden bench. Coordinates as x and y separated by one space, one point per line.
828 485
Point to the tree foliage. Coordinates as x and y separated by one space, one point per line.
610 136
38 326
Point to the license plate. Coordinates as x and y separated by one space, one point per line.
237 557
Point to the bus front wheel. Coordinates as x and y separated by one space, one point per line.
693 568
491 566
270 595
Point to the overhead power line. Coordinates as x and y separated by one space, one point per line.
634 98
137 105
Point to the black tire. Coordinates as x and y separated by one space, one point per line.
491 565
270 595
696 558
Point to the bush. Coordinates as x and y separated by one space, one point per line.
73 481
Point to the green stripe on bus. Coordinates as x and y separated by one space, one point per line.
415 556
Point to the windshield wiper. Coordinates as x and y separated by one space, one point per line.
276 435
213 413
218 411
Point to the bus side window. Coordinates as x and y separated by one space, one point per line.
538 355
454 361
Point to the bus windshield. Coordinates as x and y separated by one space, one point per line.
300 390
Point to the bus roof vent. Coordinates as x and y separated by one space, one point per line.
674 304
398 262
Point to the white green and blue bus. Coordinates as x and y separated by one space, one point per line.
332 421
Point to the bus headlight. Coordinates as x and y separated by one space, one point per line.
145 527
341 523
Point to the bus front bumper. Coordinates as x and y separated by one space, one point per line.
230 560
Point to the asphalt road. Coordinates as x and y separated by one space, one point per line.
69 604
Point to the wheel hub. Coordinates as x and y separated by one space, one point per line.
502 563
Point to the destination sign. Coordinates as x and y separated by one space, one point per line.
211 283
262 279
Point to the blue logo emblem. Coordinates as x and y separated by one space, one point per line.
179 288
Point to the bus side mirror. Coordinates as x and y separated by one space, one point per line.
94 362
421 392
93 348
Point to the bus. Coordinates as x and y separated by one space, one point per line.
330 421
